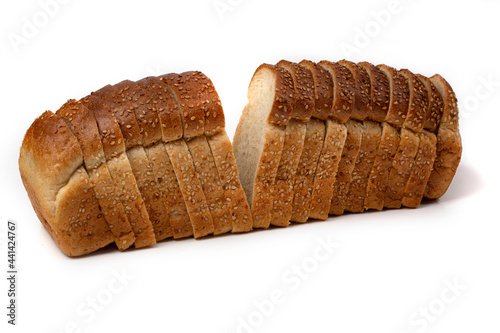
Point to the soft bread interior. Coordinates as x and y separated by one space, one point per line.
252 128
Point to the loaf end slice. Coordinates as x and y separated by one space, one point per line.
51 167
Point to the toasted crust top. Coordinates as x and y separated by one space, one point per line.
362 91
436 104
304 90
380 92
344 87
323 84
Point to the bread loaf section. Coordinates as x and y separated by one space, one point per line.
135 163
376 137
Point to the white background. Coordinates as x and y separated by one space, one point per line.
390 266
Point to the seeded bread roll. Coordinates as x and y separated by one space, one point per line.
364 163
51 166
346 166
82 123
121 171
449 143
306 170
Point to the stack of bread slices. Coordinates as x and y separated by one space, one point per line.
135 163
319 139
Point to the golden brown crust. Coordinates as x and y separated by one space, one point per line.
380 92
282 108
343 91
58 186
400 96
323 89
436 105
306 170
370 141
304 90
362 90
379 176
184 89
449 143
119 98
212 106
346 166
327 169
419 102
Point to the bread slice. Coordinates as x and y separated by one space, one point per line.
306 169
379 176
326 171
436 105
295 133
389 143
362 104
449 143
209 178
201 153
225 160
82 124
183 87
121 171
335 136
260 135
171 130
367 153
51 166
419 102
362 90
380 92
223 156
127 100
399 98
346 166
402 165
421 171
323 89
